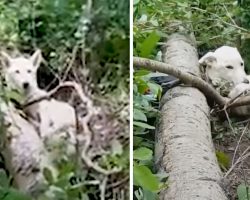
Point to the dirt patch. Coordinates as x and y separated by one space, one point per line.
233 139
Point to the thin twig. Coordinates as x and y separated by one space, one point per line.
191 80
229 15
219 19
240 159
185 77
97 168
67 84
103 188
238 143
118 183
229 122
231 101
73 57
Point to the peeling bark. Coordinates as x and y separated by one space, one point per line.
184 147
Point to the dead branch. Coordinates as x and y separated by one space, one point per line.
85 158
67 84
238 143
191 80
185 77
243 156
242 101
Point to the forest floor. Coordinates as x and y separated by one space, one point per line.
233 139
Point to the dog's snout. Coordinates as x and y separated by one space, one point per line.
25 85
246 80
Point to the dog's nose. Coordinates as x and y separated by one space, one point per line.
25 85
246 80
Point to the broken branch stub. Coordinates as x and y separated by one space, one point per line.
184 147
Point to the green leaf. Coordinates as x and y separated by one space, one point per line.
149 44
141 72
243 192
136 2
143 177
149 195
143 153
142 85
155 88
223 159
4 179
56 193
139 115
143 125
12 194
48 175
137 140
15 95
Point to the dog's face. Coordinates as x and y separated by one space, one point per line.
20 73
225 64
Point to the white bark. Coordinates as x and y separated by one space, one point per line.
184 147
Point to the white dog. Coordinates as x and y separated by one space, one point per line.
24 152
56 119
224 64
238 90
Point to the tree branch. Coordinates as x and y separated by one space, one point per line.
191 80
67 84
185 77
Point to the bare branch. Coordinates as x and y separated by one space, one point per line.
67 84
193 81
185 77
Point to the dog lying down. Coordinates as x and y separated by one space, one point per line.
20 74
225 64
52 129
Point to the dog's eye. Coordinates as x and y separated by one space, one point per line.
241 63
29 71
17 71
229 67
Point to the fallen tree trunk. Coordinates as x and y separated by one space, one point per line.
184 147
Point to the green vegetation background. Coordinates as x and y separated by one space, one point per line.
214 23
96 33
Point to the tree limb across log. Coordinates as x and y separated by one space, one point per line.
191 80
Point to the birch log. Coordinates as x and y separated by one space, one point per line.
184 147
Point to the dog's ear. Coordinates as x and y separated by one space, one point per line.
5 59
208 59
36 58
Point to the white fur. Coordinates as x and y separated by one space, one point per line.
56 119
19 71
217 66
24 151
239 89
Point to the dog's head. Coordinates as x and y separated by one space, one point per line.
20 73
224 64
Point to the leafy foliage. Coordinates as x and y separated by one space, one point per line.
87 42
243 192
213 22
147 183
7 192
